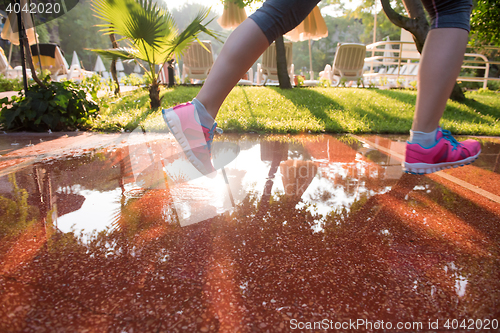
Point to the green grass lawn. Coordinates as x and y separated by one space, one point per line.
331 110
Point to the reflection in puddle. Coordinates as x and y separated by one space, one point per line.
460 280
323 173
96 213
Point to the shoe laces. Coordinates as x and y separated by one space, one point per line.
447 135
211 134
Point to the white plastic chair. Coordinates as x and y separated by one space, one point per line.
198 61
248 81
56 63
348 63
4 63
268 69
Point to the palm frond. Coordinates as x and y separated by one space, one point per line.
123 53
141 20
150 29
180 43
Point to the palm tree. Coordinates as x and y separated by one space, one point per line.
151 33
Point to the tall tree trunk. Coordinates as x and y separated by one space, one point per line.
113 65
283 77
26 57
29 61
419 27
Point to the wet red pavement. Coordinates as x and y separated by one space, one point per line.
309 233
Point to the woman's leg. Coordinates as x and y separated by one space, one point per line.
431 149
243 47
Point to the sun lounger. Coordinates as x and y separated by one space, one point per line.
197 61
348 63
51 59
268 69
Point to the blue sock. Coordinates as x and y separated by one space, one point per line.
426 140
205 118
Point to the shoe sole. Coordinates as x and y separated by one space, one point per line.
425 168
175 127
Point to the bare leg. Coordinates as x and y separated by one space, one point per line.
243 47
439 67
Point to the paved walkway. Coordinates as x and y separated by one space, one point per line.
8 94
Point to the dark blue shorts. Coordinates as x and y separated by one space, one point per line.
449 13
277 17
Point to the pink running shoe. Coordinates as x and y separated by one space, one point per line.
194 138
446 153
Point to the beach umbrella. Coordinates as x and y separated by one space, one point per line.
312 28
75 60
275 152
10 31
119 66
232 16
99 65
68 203
137 68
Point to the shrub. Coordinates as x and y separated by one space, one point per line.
92 85
470 85
10 84
324 83
482 91
131 80
300 80
16 213
372 84
146 79
59 106
383 81
109 84
494 85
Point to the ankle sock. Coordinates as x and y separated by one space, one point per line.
205 118
424 139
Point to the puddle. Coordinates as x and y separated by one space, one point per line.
322 173
308 227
